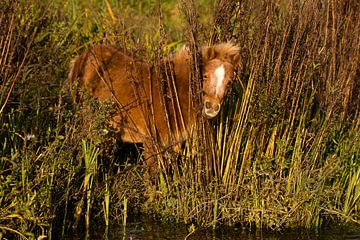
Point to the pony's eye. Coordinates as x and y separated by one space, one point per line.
205 76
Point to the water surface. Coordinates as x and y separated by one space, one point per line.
150 229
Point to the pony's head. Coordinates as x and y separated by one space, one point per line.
219 65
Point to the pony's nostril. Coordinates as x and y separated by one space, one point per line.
217 108
207 105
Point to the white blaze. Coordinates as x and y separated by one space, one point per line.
220 76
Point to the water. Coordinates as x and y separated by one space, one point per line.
149 229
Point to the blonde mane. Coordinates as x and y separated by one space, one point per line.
222 51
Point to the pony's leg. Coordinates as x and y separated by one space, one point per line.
151 162
150 175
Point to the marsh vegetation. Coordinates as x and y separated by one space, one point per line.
284 152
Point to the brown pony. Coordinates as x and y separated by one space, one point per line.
155 103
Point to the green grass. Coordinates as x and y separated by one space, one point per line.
285 152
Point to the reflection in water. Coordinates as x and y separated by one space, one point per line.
151 230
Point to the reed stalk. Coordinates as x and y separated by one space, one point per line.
106 201
125 212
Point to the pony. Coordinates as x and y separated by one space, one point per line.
155 102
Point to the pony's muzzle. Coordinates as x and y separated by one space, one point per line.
211 109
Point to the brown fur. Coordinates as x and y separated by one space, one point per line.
153 105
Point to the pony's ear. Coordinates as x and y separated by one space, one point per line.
209 54
234 59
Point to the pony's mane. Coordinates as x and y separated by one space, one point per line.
222 50
182 54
